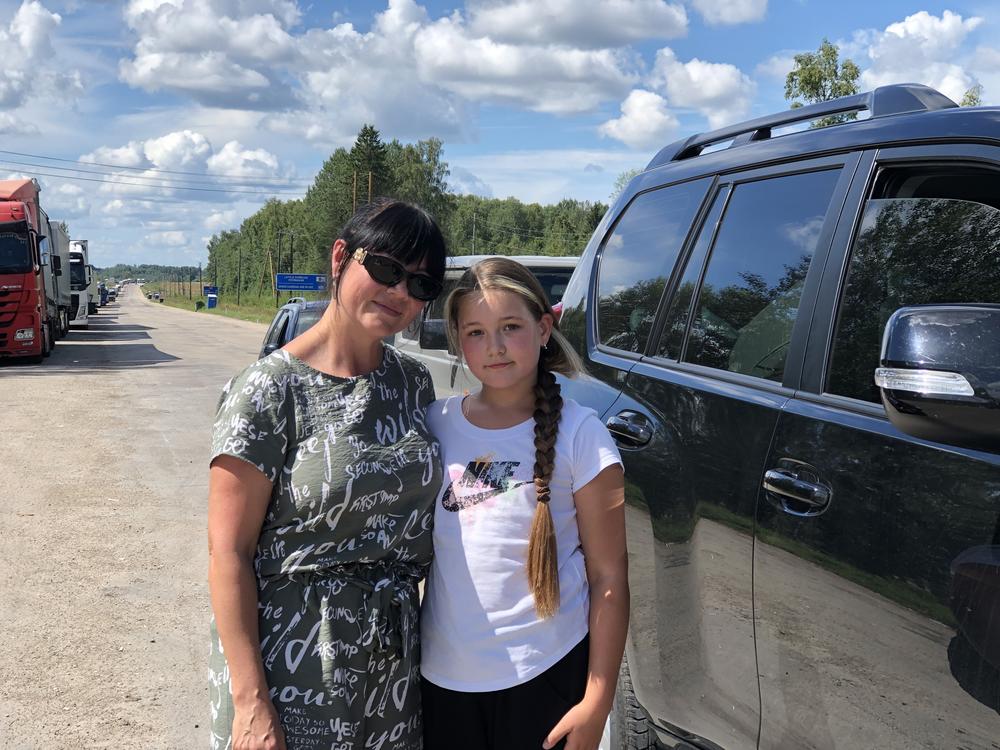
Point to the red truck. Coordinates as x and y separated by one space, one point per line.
26 329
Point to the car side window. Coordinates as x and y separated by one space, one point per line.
928 235
277 329
749 298
675 321
637 259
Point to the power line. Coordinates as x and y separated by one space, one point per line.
150 169
168 182
161 187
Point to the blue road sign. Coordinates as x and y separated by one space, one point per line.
211 290
301 282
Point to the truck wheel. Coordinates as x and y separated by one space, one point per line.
64 324
629 725
48 342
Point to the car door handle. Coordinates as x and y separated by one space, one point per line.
630 428
796 495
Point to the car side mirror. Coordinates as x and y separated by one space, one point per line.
269 348
433 334
940 374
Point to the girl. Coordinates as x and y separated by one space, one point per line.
529 537
321 488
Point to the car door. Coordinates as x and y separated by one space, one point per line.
722 361
877 554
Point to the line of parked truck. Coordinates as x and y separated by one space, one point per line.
47 284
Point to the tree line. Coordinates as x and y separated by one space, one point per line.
295 236
149 271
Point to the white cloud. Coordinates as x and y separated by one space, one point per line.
646 121
235 161
542 78
180 150
723 12
350 78
577 23
157 162
218 220
30 64
719 91
215 51
411 75
167 239
463 182
985 67
13 125
130 155
776 66
921 48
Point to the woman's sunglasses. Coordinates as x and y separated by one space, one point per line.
389 272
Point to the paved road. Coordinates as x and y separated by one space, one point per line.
102 550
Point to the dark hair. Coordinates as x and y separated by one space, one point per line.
506 275
395 228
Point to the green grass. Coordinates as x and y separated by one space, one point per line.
257 309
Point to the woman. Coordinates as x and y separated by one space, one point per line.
321 493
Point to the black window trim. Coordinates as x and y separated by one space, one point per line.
823 326
848 163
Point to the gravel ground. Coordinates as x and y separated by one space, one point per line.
103 552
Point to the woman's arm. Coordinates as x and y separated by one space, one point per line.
238 496
600 514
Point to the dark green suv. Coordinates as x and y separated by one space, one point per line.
795 339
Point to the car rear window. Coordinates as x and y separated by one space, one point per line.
554 281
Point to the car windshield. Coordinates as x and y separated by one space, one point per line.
307 319
15 255
554 281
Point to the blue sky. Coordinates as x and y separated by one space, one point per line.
538 99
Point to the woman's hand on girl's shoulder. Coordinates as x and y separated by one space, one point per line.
582 726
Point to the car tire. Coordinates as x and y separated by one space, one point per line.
629 725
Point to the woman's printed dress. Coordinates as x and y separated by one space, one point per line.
346 538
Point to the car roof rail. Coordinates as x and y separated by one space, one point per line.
883 101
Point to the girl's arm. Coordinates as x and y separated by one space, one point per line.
238 496
600 513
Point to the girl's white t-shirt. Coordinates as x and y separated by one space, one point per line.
479 629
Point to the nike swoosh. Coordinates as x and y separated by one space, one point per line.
453 503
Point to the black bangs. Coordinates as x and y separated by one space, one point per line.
400 230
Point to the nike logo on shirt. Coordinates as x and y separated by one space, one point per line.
480 481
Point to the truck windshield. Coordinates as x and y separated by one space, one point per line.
77 275
15 254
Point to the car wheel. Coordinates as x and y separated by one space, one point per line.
629 725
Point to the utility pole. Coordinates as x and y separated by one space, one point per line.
291 252
277 267
239 272
473 231
201 286
369 187
354 193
